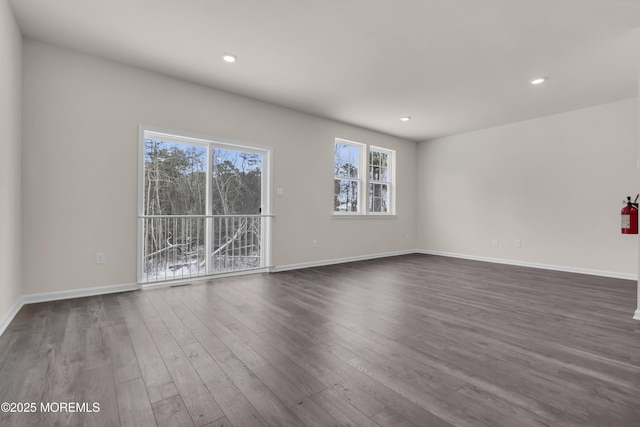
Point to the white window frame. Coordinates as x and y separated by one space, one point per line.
364 180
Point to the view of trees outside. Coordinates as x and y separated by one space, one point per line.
346 183
175 178
378 181
177 234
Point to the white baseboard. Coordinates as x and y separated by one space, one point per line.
6 320
79 293
286 267
637 315
613 274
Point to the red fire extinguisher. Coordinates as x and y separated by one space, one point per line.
630 217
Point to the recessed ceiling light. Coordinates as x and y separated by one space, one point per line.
405 119
538 81
229 57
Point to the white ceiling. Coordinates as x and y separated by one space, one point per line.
452 65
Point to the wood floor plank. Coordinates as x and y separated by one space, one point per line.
339 409
98 367
379 391
133 403
313 415
68 382
221 305
176 327
240 349
26 338
447 410
388 418
344 388
201 405
268 405
125 364
33 370
222 422
172 412
157 379
304 379
233 403
288 392
209 340
152 319
101 390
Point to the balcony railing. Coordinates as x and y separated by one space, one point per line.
176 247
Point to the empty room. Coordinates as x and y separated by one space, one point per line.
319 213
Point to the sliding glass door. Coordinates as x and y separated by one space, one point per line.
203 207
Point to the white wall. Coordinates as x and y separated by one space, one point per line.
81 117
10 106
555 183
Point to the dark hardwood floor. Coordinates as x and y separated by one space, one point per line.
414 340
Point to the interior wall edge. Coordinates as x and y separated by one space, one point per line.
11 45
5 321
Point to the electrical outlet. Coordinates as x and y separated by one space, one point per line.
518 243
101 258
495 242
314 243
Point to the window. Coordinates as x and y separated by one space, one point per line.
350 179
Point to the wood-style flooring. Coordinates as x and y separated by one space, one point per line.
413 340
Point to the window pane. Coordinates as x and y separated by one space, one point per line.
236 182
345 196
354 161
384 167
341 157
346 160
376 204
374 165
174 178
378 166
384 191
378 197
375 173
